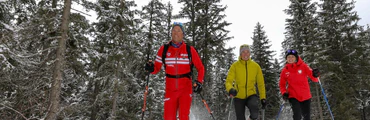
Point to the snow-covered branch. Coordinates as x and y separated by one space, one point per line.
7 26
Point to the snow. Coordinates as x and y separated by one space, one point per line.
6 25
2 0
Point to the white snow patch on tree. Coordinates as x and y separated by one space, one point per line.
6 25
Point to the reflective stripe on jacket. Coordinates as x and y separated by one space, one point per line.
177 63
293 79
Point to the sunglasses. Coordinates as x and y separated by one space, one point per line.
291 52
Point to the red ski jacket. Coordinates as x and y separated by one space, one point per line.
293 79
178 63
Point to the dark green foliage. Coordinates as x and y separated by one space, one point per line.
329 40
262 54
342 53
104 70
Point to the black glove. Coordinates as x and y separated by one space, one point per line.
263 103
233 92
315 73
286 96
197 86
149 66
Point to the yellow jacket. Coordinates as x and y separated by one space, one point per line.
237 74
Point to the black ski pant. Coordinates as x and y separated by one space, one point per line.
251 102
300 109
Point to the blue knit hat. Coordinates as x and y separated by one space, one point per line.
180 25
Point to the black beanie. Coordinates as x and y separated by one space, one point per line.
291 52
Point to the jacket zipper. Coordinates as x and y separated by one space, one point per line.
176 68
246 78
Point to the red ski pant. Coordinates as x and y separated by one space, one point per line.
180 101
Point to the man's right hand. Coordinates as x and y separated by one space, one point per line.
149 66
233 92
197 86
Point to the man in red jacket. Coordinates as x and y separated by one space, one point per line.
294 84
179 86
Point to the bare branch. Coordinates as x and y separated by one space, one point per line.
15 111
81 12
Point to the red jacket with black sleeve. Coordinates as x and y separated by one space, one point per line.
293 79
178 63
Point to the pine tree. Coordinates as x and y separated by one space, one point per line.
7 85
301 29
339 53
59 65
276 100
76 74
363 87
221 99
302 35
263 56
115 67
157 33
169 9
29 69
31 57
189 11
206 31
154 13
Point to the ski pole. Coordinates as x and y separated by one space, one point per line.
263 113
145 95
281 108
326 99
205 104
231 103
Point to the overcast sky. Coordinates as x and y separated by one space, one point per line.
244 15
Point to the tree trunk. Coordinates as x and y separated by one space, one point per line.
319 102
114 99
150 35
57 75
115 94
54 4
192 21
95 107
363 110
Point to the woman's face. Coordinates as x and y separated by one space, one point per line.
245 55
291 59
